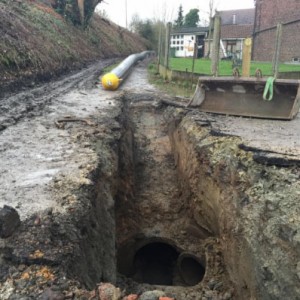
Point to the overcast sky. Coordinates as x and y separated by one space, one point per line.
150 9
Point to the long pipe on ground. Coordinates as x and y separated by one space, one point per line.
113 79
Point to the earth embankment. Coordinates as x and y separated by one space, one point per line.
37 43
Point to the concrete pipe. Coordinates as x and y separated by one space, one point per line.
191 268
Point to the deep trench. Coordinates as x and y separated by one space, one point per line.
155 224
160 213
152 208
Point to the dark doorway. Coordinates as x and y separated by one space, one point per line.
200 46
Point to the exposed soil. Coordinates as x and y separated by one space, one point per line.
31 144
120 187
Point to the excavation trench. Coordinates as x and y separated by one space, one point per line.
152 196
148 211
157 206
159 241
179 206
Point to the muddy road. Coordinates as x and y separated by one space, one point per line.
120 187
33 147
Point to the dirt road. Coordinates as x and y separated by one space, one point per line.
33 149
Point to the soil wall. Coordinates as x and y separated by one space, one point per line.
241 202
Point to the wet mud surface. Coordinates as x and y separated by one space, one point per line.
97 176
33 149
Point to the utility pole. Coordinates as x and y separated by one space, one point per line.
247 47
216 46
167 45
275 63
126 13
159 50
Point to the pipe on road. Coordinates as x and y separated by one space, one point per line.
113 79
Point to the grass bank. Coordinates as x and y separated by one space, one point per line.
182 88
37 43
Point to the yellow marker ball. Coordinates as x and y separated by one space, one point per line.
110 81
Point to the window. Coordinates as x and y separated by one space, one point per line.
181 48
177 48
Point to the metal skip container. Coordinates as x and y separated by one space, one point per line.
259 97
245 97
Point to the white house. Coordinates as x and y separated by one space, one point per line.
185 41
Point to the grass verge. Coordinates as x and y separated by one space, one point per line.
203 66
181 88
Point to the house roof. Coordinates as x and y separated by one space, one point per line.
242 16
236 31
189 30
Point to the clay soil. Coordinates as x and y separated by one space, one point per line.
96 176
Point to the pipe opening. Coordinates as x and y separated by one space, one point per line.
191 269
160 263
155 263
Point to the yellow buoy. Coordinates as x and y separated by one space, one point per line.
110 81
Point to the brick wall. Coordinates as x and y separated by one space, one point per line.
268 14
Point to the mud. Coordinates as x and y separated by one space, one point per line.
33 150
120 187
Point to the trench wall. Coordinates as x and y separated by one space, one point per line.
94 255
76 237
231 197
215 193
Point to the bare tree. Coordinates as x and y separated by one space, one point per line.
135 23
161 16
